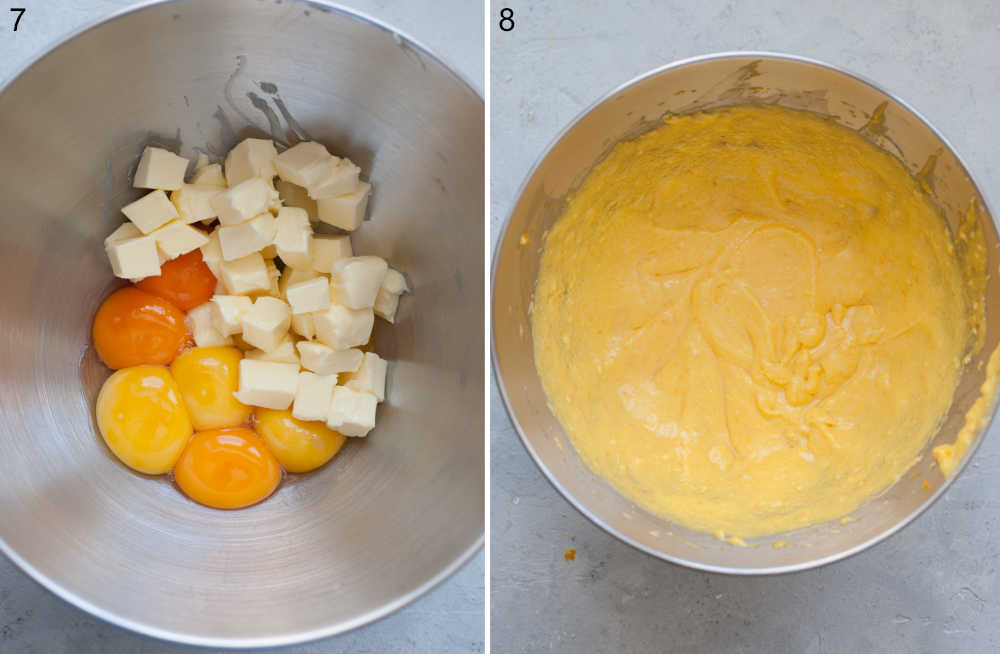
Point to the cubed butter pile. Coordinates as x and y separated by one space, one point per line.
302 324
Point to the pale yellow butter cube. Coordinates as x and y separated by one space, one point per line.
124 231
267 384
345 211
355 281
304 164
293 237
250 158
194 202
266 324
291 276
352 413
324 360
309 296
177 238
211 254
285 352
313 395
134 258
228 312
209 175
238 241
242 202
339 179
161 169
342 328
200 323
151 211
370 376
327 248
303 325
246 275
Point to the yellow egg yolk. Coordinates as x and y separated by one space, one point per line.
142 418
207 377
227 469
299 445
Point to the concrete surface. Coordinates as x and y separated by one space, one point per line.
450 618
932 588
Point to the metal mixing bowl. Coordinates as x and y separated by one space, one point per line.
691 85
393 514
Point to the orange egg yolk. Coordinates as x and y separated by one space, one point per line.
207 377
133 328
299 445
142 418
227 468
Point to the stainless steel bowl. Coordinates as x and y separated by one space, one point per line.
691 85
394 513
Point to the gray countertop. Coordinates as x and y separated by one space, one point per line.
932 588
450 617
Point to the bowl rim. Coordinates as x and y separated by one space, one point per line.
281 639
579 504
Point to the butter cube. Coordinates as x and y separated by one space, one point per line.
161 169
309 296
352 413
394 282
355 281
209 175
341 327
275 276
211 254
134 258
340 179
242 202
266 324
324 360
303 325
304 164
194 202
201 325
124 231
284 353
387 300
293 237
151 211
370 377
345 211
313 395
290 276
267 384
251 158
176 238
296 196
327 248
386 305
246 275
228 312
252 236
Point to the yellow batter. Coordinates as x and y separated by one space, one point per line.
749 320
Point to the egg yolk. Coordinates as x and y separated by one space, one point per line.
299 445
207 377
227 468
133 327
142 418
185 281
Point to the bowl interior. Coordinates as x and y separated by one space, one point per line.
705 83
395 512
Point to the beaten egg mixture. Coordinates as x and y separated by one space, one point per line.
750 320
